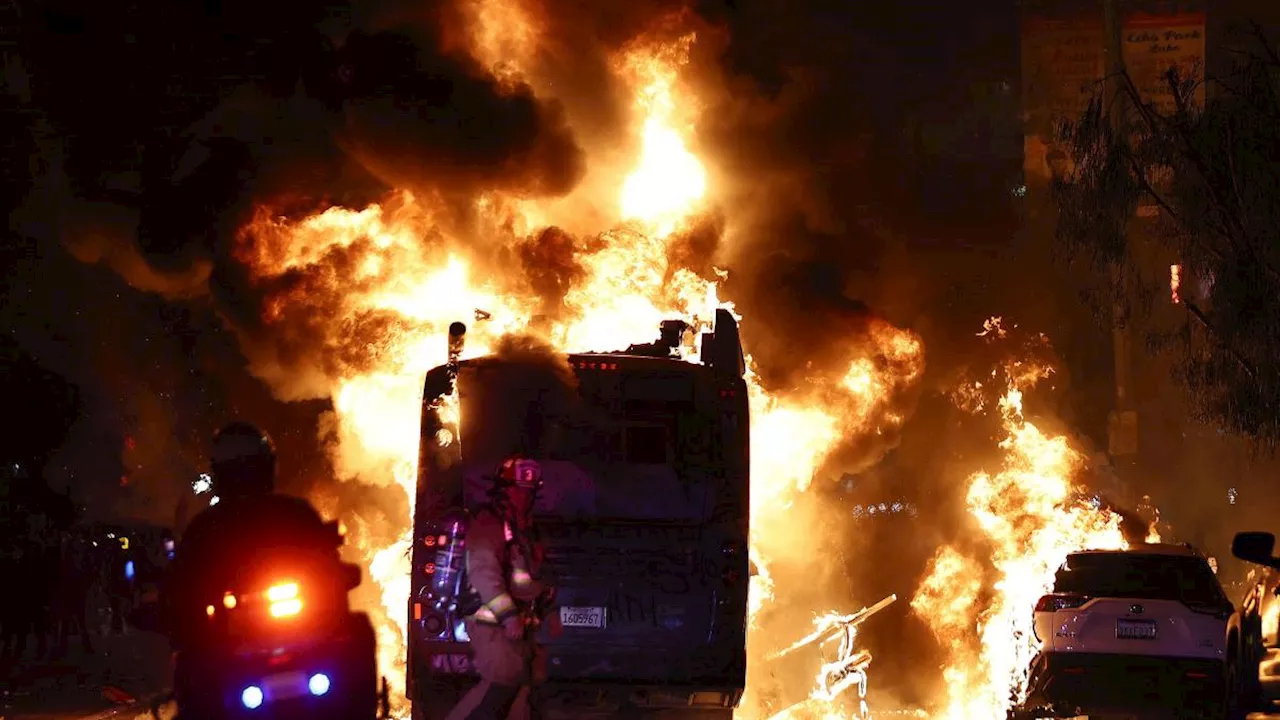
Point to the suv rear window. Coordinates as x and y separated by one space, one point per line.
1150 577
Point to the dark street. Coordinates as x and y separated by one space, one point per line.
122 671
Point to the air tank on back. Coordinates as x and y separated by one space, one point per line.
450 562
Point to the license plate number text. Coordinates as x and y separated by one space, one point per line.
582 617
1136 629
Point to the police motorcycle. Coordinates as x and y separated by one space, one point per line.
283 642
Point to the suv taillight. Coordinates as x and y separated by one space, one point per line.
1060 601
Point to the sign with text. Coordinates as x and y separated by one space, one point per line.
1062 64
1152 44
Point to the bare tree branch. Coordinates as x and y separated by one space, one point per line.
1260 33
1206 170
1200 317
1235 174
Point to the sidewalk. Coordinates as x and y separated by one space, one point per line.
132 666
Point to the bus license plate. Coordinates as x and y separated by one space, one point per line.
1136 629
582 617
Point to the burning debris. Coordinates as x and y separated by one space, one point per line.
849 667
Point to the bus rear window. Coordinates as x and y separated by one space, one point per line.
610 447
597 426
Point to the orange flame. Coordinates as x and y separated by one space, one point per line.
387 281
1032 516
668 181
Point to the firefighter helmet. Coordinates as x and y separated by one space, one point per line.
243 460
521 472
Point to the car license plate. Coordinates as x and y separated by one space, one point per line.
285 685
1136 629
582 617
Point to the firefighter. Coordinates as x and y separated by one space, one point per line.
504 560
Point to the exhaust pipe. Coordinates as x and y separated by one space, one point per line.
672 333
457 341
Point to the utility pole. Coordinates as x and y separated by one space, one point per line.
1123 420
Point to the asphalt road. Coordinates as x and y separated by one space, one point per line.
165 712
122 669
126 677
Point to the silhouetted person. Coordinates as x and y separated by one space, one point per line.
29 613
249 518
76 581
118 588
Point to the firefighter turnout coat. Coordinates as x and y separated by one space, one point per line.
503 568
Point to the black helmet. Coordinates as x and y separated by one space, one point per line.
243 460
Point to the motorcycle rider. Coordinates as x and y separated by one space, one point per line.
504 560
249 516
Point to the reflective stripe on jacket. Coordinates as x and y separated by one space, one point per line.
497 569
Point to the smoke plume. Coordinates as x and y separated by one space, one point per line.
339 107
307 120
521 410
219 172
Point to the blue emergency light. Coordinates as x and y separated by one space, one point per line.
128 570
318 684
252 697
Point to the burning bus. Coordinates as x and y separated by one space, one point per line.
644 511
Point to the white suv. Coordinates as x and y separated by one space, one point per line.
1131 632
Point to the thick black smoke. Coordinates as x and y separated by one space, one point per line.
425 121
522 410
142 137
189 115
165 124
835 198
